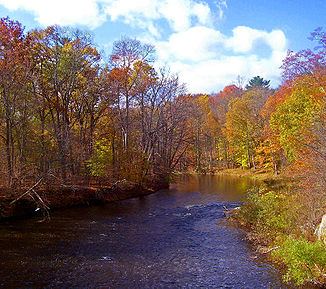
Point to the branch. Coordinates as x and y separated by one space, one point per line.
270 250
28 191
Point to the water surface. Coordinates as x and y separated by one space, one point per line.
175 238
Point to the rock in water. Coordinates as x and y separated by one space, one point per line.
321 230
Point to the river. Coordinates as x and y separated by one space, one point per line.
176 238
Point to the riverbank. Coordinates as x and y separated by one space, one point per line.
275 219
259 175
43 200
264 176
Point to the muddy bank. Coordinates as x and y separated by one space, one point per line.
60 196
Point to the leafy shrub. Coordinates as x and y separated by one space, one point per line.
268 213
304 260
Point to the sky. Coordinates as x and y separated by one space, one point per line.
209 44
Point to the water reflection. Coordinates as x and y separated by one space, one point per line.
171 239
214 188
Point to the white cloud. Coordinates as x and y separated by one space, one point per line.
131 11
213 75
202 12
86 12
276 39
221 5
180 14
243 39
195 44
207 60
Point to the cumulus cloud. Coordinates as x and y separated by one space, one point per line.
63 12
178 13
205 58
213 75
208 60
244 38
195 44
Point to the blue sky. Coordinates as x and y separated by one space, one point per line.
208 43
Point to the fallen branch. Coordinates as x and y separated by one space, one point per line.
228 212
270 250
28 191
42 202
37 199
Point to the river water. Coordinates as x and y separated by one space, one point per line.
176 238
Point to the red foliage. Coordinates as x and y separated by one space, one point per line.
306 62
276 99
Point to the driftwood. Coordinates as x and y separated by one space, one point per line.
266 251
228 212
39 196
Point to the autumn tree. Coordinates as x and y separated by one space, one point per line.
219 105
68 59
204 130
13 67
125 54
298 122
244 126
271 153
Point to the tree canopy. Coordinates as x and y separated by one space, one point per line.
257 82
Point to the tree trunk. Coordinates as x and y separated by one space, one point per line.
8 150
248 148
225 154
273 160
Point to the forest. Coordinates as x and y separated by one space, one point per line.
70 114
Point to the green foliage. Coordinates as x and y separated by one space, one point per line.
304 260
270 213
101 159
273 219
244 130
257 82
293 119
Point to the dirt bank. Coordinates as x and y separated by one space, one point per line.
57 197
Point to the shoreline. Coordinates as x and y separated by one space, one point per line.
268 178
62 197
268 219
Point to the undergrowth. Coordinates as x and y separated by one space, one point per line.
274 220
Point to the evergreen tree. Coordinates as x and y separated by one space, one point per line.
257 82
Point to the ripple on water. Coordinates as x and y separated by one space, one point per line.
172 239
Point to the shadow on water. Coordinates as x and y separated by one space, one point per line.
171 239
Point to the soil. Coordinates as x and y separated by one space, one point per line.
60 196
